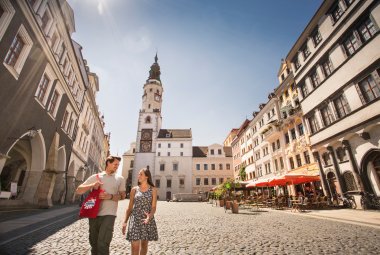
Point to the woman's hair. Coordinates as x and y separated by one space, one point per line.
147 174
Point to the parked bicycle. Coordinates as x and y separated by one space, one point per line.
348 201
369 201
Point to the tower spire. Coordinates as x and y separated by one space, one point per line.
155 72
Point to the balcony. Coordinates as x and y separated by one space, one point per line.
271 129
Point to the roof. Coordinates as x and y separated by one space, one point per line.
175 133
201 151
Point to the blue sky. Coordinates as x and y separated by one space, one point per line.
219 59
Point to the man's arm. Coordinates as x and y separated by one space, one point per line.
87 185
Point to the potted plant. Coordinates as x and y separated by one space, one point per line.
230 185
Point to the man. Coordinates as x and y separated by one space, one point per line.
101 227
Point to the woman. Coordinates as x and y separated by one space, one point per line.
142 206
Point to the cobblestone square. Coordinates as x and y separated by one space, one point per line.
200 228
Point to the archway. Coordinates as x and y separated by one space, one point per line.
25 163
370 171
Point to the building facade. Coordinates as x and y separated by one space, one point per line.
44 83
128 163
336 66
212 165
172 172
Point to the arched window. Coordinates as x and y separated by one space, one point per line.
349 181
326 158
147 119
341 154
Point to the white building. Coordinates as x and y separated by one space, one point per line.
336 66
128 163
156 148
172 172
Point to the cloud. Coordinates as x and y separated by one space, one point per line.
100 7
138 41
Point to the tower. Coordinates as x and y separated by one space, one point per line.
149 122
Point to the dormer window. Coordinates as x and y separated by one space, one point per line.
168 136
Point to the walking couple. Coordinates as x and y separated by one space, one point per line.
140 213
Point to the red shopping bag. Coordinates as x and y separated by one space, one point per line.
91 204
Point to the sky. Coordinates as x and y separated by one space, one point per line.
219 59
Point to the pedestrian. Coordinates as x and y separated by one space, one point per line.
140 213
101 227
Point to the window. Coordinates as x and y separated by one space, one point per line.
341 106
205 167
213 181
169 154
276 165
181 154
42 88
351 44
162 167
304 89
221 180
220 166
6 14
159 154
157 183
131 164
307 157
341 154
300 129
197 181
305 51
296 62
327 117
281 163
349 181
369 89
314 77
291 163
336 12
14 51
287 140
198 166
159 145
147 119
53 103
326 159
273 146
205 181
316 36
64 120
278 144
175 166
327 67
212 152
298 158
219 151
169 145
293 133
46 20
367 30
181 182
168 183
314 127
212 166
181 145
228 166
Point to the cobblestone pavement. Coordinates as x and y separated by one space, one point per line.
199 228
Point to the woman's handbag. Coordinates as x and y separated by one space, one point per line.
90 206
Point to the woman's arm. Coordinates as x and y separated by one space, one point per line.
154 203
130 206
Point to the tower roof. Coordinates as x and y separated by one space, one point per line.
155 72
